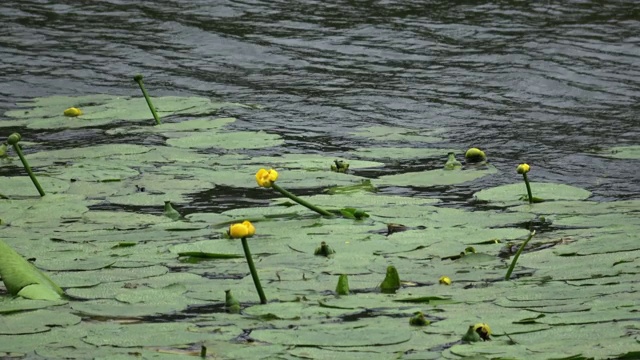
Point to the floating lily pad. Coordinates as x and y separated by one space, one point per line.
91 171
186 126
227 140
334 335
395 153
47 113
389 133
548 191
23 186
621 152
153 334
31 322
433 177
307 162
12 305
94 277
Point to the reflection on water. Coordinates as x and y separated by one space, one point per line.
542 82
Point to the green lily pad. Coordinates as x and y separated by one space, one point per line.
37 321
94 277
334 335
549 191
19 304
227 140
307 162
47 113
23 186
90 152
390 133
395 153
183 126
621 152
436 177
153 334
92 171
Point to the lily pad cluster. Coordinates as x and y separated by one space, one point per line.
145 273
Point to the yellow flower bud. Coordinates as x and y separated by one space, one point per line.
238 231
241 230
266 178
483 330
475 155
250 228
72 112
444 280
523 168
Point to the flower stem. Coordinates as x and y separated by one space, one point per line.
517 255
300 201
18 150
138 79
252 269
526 182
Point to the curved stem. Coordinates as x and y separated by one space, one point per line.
517 255
18 150
526 182
138 79
252 269
300 201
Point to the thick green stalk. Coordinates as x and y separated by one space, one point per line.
517 255
13 140
252 269
526 182
300 201
138 79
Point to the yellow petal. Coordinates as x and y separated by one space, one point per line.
238 231
72 112
445 280
523 168
250 228
273 175
265 178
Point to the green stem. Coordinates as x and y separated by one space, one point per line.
517 255
300 201
138 79
18 150
252 269
526 182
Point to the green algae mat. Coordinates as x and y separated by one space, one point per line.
139 281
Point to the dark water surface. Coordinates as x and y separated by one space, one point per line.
543 82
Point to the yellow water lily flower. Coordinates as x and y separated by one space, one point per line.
444 280
483 330
241 230
523 168
250 228
72 112
266 178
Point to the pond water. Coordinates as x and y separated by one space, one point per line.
543 83
547 83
